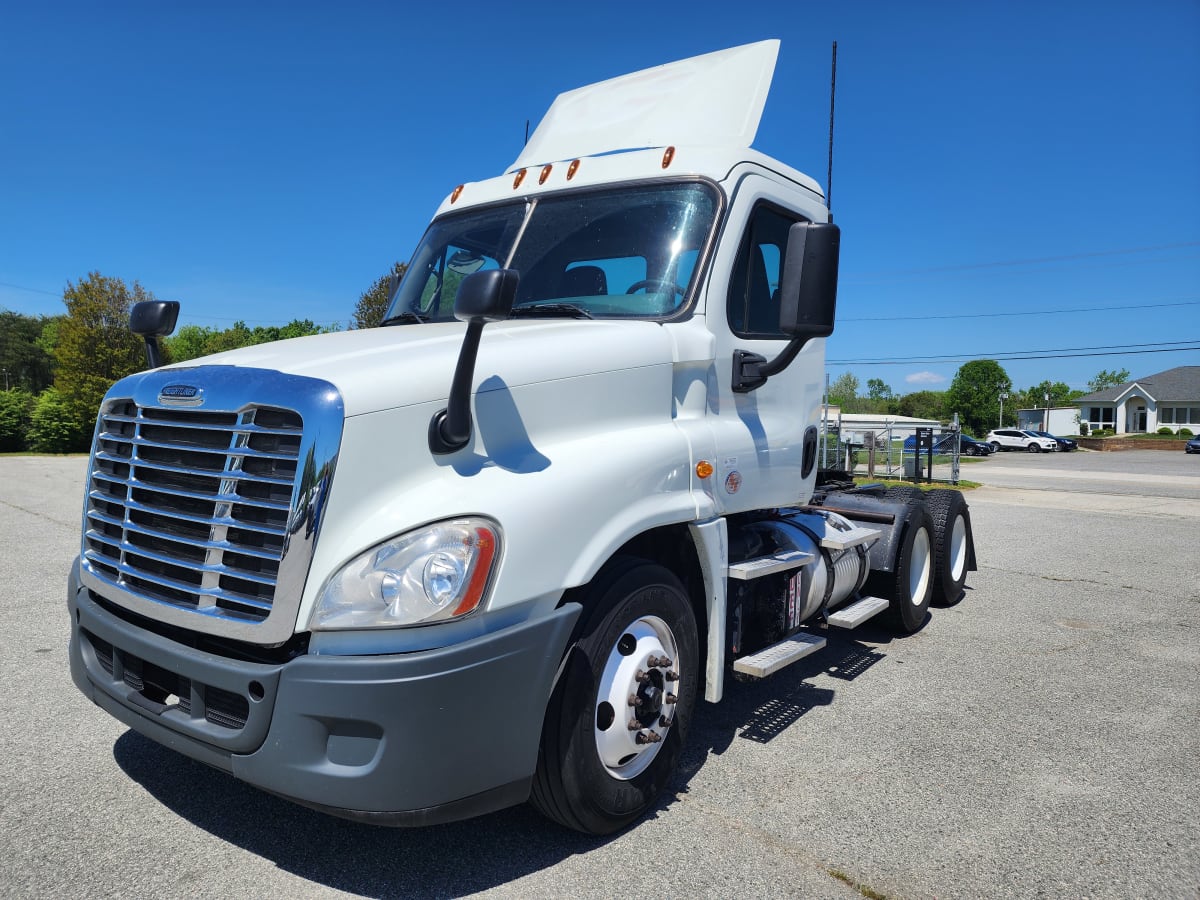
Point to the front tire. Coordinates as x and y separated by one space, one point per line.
617 719
1033 448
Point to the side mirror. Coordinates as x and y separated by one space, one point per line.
808 301
808 285
482 297
152 319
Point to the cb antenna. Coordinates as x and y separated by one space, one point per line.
829 173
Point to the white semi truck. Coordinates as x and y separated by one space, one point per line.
495 550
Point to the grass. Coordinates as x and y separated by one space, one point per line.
870 893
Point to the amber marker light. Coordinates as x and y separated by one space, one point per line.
572 169
704 469
457 191
545 174
517 181
668 155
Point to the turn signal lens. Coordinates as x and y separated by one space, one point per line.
704 469
454 196
668 155
545 174
572 169
517 181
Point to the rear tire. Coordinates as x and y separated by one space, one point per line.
595 774
909 587
951 545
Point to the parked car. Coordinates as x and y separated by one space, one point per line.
1192 446
1018 439
943 444
1064 444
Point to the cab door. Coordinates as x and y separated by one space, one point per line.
760 434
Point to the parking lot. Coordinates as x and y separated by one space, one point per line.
1042 738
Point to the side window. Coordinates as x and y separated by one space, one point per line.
754 287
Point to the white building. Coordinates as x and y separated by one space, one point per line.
1170 398
1059 420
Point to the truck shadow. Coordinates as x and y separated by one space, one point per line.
372 861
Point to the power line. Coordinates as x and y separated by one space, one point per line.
1015 356
1034 261
1037 312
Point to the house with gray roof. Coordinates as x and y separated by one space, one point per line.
1170 398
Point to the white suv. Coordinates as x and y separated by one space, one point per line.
1015 439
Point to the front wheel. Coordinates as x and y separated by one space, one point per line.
616 722
1034 448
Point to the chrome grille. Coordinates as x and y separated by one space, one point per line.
192 507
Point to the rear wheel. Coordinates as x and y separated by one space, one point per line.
951 545
616 722
909 586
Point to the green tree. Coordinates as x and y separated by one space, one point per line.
844 390
95 345
878 389
373 302
16 405
54 426
975 395
24 362
923 405
1105 379
1035 397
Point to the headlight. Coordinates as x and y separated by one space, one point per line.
438 572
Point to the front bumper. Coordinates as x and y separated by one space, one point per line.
404 739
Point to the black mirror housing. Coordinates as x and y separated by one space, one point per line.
808 284
486 296
154 318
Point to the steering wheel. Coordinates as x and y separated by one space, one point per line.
655 283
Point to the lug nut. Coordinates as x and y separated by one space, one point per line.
640 676
635 700
672 676
671 698
647 737
634 724
664 721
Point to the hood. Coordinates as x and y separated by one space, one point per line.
382 368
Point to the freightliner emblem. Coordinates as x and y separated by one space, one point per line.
181 395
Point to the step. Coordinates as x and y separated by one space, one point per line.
856 613
769 565
775 657
833 539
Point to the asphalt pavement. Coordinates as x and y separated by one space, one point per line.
1042 738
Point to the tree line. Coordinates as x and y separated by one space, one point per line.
56 369
976 394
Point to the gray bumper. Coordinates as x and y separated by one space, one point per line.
406 739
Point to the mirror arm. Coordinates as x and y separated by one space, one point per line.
751 370
450 428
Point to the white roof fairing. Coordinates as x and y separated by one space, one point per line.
713 100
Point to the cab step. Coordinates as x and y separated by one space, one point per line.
773 658
856 613
784 561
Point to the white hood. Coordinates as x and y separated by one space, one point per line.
383 368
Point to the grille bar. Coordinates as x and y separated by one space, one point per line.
194 495
214 594
200 448
202 568
199 520
168 536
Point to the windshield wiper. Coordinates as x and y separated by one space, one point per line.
551 310
403 317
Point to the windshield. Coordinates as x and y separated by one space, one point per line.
628 252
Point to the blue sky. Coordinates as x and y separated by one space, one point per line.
999 166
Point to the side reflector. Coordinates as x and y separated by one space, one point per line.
704 469
668 155
545 174
454 196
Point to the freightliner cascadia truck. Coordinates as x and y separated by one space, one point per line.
495 550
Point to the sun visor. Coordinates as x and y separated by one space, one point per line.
711 100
